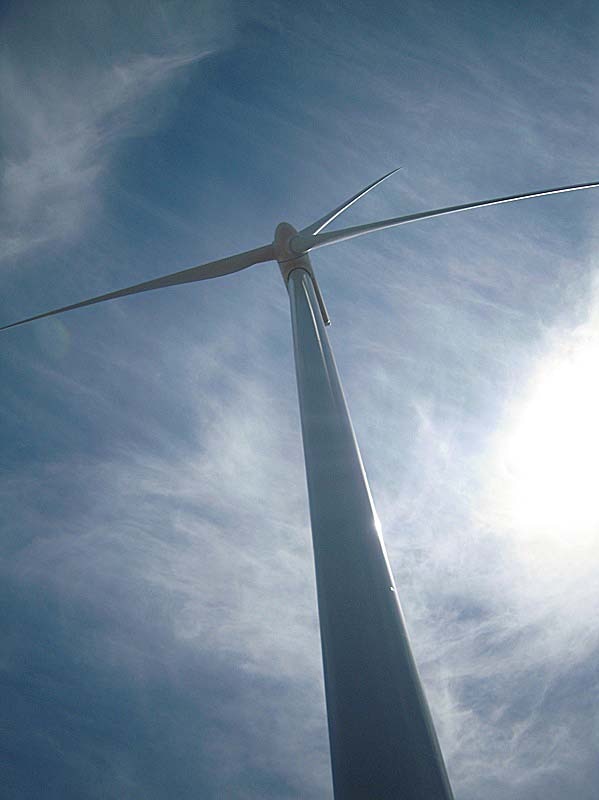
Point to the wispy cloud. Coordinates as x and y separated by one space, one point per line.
199 548
64 138
66 113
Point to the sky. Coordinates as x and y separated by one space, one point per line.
159 628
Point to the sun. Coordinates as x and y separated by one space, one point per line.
549 452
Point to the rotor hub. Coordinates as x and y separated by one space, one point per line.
289 260
287 257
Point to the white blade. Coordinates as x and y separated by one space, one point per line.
303 244
213 269
317 226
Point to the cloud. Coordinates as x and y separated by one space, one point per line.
66 115
186 563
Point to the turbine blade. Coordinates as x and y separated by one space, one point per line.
317 226
303 244
212 269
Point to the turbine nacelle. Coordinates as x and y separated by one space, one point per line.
283 251
289 260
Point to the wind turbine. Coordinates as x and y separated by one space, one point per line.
382 739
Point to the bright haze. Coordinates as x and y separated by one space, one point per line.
159 628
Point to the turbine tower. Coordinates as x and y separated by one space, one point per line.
382 739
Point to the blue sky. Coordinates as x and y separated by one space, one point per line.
160 634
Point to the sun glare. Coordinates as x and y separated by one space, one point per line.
550 454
